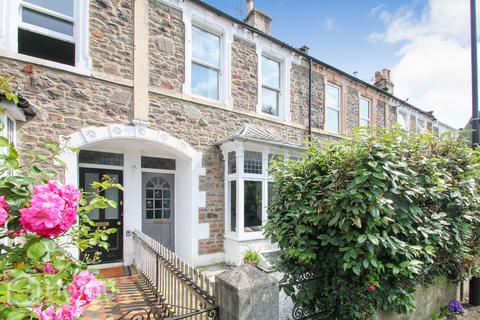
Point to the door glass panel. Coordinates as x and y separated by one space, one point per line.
91 177
112 194
157 199
166 213
149 214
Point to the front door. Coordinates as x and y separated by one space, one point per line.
108 217
158 208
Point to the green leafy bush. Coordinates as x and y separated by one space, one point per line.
371 217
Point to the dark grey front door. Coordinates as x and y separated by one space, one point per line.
158 207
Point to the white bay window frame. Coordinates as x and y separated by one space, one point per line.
11 21
241 177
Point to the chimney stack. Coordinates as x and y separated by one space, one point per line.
383 81
258 19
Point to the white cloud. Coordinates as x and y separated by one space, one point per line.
330 24
433 70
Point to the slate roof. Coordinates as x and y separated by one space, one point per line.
259 134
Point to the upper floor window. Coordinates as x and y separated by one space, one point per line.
271 86
332 104
420 126
403 120
364 112
46 30
205 63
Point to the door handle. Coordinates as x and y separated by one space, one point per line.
119 223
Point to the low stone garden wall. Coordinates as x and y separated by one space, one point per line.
429 301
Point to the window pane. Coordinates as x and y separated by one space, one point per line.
270 101
253 206
274 158
61 6
43 47
253 162
402 120
46 21
113 194
91 177
364 122
158 163
271 72
332 121
270 193
333 97
365 109
204 81
95 157
232 162
205 46
233 205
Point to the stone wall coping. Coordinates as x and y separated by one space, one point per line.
246 277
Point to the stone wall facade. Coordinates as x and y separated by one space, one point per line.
380 109
352 109
68 102
166 46
299 96
244 75
111 37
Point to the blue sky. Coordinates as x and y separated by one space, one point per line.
336 31
412 37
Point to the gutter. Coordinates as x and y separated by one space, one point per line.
300 53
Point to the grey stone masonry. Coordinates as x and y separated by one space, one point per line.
111 37
247 293
380 114
352 111
244 75
166 46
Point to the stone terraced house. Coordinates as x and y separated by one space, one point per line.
184 105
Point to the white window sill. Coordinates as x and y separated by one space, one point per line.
44 63
247 236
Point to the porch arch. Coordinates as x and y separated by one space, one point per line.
187 228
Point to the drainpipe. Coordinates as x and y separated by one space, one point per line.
310 64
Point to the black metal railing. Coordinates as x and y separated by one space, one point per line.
181 291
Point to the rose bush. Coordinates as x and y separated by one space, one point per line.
370 218
41 220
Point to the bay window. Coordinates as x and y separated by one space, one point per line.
364 112
271 87
332 110
403 121
205 64
249 187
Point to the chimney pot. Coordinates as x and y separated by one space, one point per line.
305 49
250 5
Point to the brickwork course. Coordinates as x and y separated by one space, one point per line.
68 102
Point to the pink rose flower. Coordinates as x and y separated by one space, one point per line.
53 209
49 268
47 314
3 211
85 288
63 313
372 288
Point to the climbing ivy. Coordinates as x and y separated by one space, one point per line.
373 216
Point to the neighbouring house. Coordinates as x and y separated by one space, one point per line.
185 106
